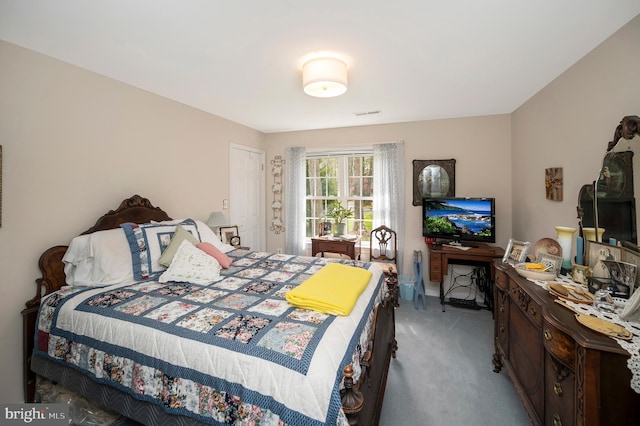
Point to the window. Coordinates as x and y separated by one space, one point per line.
345 178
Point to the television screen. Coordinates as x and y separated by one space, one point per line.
460 219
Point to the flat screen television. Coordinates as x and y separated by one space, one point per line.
459 219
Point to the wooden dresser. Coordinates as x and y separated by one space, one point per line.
565 373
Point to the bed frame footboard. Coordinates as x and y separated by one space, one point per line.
362 402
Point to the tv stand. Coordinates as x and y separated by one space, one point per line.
459 244
440 256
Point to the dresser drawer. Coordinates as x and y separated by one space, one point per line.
522 300
502 281
560 345
560 388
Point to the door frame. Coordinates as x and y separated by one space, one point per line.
261 208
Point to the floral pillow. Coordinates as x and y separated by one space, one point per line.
192 265
179 236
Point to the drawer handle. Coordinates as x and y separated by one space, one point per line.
556 420
501 328
557 389
501 308
533 311
548 335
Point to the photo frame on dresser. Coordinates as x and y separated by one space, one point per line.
227 233
596 252
516 252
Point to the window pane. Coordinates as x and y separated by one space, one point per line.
367 187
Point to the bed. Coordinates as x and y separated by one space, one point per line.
194 342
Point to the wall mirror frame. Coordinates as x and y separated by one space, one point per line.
609 202
433 178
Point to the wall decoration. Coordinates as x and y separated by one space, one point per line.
433 178
277 170
553 183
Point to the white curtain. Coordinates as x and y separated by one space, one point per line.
295 210
388 190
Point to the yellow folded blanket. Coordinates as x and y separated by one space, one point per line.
334 289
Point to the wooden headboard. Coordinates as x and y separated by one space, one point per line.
134 209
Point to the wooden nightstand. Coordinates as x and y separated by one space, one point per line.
336 245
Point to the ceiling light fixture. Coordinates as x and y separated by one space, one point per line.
324 77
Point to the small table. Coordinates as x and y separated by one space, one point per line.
336 245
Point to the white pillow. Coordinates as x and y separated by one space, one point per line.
78 260
191 265
98 259
111 258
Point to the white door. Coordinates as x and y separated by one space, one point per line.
246 199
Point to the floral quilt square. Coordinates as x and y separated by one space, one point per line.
146 287
282 292
261 287
259 255
206 295
237 301
141 304
282 257
252 272
110 298
278 276
308 315
288 338
177 289
242 328
204 319
313 269
245 262
269 264
300 278
171 311
273 307
231 283
293 267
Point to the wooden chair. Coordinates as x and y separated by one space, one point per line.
383 245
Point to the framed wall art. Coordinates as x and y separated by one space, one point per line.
553 183
433 178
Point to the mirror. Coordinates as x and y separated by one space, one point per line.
614 187
433 178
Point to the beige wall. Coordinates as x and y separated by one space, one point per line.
568 124
480 146
74 145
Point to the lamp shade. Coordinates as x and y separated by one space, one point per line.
216 220
324 77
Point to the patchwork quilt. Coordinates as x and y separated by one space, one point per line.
231 352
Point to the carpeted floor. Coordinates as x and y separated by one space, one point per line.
443 373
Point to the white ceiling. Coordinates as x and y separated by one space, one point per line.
242 60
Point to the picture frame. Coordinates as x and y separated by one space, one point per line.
580 274
631 256
516 251
595 252
433 178
324 228
227 233
553 183
550 259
